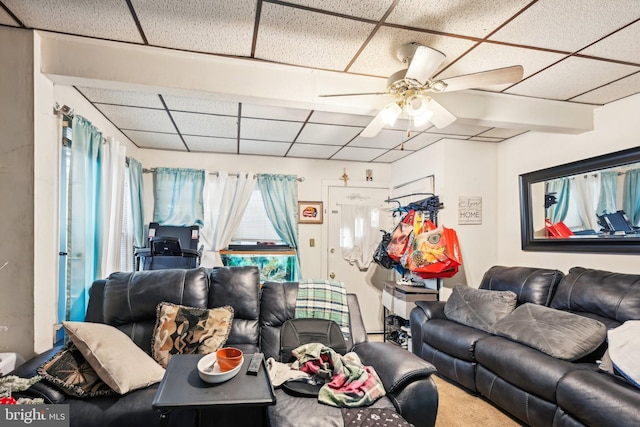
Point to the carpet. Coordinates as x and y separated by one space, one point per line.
459 408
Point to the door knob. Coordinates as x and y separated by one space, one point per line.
332 250
332 275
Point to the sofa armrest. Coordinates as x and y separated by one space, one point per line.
41 389
406 379
432 309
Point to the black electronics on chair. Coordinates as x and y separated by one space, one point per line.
616 223
170 247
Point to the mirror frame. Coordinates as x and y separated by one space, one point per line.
596 245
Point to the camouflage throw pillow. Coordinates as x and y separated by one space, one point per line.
70 371
189 330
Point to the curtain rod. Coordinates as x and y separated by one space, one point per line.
215 173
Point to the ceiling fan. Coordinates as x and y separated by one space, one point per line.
410 86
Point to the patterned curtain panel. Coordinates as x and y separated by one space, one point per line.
178 197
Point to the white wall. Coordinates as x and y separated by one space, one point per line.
461 168
616 128
314 172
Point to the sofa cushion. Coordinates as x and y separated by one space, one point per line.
70 371
130 299
189 330
117 360
557 333
624 347
612 295
531 284
478 308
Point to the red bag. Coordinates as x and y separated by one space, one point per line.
400 236
435 253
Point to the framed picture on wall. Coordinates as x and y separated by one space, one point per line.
309 212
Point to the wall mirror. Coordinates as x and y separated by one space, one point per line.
591 205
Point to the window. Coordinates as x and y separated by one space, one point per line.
255 225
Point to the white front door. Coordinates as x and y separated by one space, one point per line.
367 284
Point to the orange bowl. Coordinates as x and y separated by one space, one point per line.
228 358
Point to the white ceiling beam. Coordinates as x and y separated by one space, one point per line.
79 61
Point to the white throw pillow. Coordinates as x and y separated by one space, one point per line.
624 346
117 360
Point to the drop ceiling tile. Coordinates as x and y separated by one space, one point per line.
327 134
105 19
206 124
358 154
475 19
6 19
275 113
201 26
488 56
458 128
425 139
301 37
121 97
622 45
502 133
312 151
392 155
569 25
368 10
613 91
201 105
134 118
386 138
571 77
263 148
160 141
339 118
269 130
209 144
379 56
485 139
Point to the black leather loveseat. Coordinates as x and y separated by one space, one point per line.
530 384
128 301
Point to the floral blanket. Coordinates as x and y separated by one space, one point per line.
349 383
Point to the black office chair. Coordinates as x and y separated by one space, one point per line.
170 246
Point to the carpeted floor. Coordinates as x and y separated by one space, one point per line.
459 408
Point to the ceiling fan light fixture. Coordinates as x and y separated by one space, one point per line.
390 113
416 105
423 118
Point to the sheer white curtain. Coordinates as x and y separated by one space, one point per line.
359 234
112 171
225 200
586 196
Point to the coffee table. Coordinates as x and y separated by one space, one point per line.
242 398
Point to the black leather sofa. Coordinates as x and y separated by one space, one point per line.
128 301
532 386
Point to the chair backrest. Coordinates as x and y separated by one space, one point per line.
189 236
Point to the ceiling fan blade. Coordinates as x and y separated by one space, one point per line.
374 126
441 117
352 94
485 78
424 64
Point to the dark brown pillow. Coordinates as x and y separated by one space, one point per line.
189 330
70 371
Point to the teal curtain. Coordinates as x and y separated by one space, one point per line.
178 197
137 202
631 191
83 219
280 197
558 211
608 192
